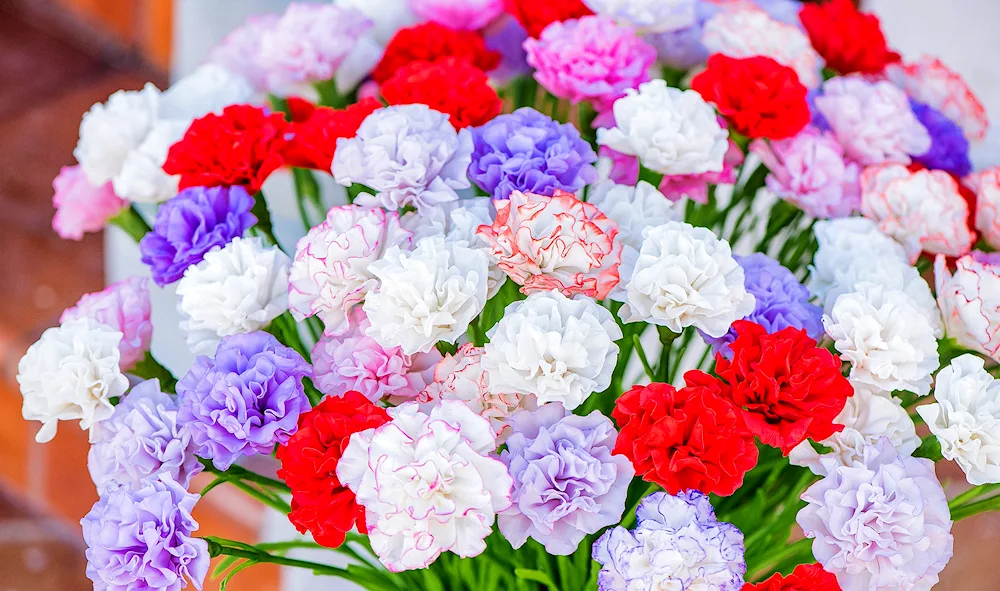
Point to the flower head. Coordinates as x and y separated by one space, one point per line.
244 401
312 141
649 16
430 41
682 48
567 483
969 302
632 208
123 306
110 131
239 51
988 205
450 85
805 577
535 16
949 147
426 483
931 82
191 224
847 39
842 242
470 15
695 186
81 206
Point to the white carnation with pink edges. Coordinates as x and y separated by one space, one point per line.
970 301
930 81
988 204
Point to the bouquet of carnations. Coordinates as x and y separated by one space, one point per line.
627 295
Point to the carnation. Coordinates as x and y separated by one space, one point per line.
847 39
123 306
535 16
399 473
191 224
805 577
239 51
71 373
669 130
683 276
922 210
558 349
567 483
559 242
968 301
428 295
430 41
872 120
142 440
930 81
450 85
695 186
110 131
81 206
987 209
882 522
677 544
882 334
949 149
649 16
244 401
408 154
458 14
529 152
387 16
237 289
313 140
682 49
842 242
144 539
632 208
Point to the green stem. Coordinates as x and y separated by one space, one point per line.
241 473
667 338
224 547
801 551
970 509
642 357
971 494
130 220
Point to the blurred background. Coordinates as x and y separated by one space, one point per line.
57 58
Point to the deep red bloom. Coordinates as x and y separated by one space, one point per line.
758 96
449 85
788 388
320 503
313 141
299 109
535 15
685 439
805 577
429 42
848 39
242 146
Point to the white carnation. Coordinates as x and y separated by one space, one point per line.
970 301
71 373
843 241
428 295
884 337
141 177
966 418
236 289
109 131
633 208
209 89
648 16
683 276
867 416
559 349
388 16
671 131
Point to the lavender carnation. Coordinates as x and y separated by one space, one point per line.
194 222
781 301
682 49
881 523
677 544
246 400
566 482
529 152
141 539
949 146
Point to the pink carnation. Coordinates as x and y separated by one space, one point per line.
80 206
695 186
239 51
590 58
355 361
922 210
810 171
931 82
123 306
459 15
619 168
559 242
988 204
969 300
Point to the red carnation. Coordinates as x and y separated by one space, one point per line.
449 85
805 577
848 39
685 439
535 15
242 146
320 503
760 97
313 141
429 42
788 388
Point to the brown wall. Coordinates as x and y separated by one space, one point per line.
145 25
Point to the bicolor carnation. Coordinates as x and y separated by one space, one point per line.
633 209
567 483
536 16
931 82
450 85
648 16
949 149
469 15
988 205
427 483
848 40
558 349
841 243
244 401
430 41
81 206
970 301
123 306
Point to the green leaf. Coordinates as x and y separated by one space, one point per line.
537 576
149 368
232 573
930 448
819 447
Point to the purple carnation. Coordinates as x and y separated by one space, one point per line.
246 400
194 222
682 49
781 301
506 36
529 152
949 146
677 544
141 539
567 483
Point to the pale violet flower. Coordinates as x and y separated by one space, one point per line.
558 349
683 276
633 208
71 373
648 16
408 154
428 295
965 418
842 242
387 16
110 131
970 302
236 289
882 334
427 483
672 131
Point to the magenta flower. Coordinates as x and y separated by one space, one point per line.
695 186
80 206
123 306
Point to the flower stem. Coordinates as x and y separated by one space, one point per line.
241 473
667 338
972 494
224 547
130 220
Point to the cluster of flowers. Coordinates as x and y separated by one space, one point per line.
458 344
